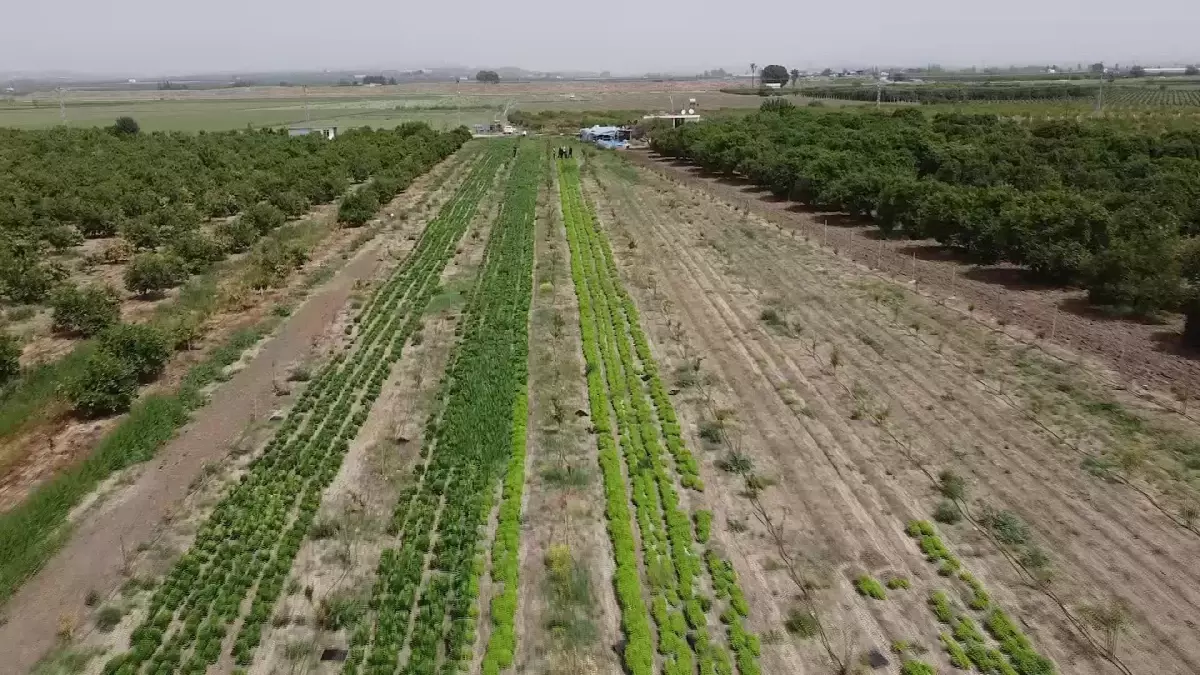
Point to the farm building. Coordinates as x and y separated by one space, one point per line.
327 132
676 120
1180 70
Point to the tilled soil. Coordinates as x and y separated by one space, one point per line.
106 537
850 445
1144 354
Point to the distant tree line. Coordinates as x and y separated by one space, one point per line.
1080 202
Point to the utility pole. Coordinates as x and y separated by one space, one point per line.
1100 94
878 91
307 120
62 107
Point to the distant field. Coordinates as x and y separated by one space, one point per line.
439 105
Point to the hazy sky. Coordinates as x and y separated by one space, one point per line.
160 37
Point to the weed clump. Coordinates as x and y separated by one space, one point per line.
947 512
870 587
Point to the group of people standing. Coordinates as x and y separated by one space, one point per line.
565 151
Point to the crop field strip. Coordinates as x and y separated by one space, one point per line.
424 605
624 385
246 547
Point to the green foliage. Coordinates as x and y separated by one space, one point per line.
152 273
272 262
197 250
897 583
947 512
236 235
108 617
1045 194
941 607
144 349
870 587
358 207
802 623
106 386
85 311
264 217
488 76
952 486
291 203
126 126
774 74
913 667
958 657
10 358
339 610
703 519
1006 525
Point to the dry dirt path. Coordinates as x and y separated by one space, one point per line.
845 483
98 549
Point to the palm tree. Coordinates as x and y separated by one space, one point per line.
753 72
795 77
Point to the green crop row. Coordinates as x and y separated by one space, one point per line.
623 380
966 644
473 439
252 536
638 654
666 532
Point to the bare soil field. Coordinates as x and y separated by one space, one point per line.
142 519
1145 354
849 396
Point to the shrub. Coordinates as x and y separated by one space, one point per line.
10 358
913 667
703 520
217 203
197 250
141 233
291 203
152 273
947 512
144 349
358 207
896 583
870 587
802 623
264 217
85 311
1006 525
108 617
236 235
952 485
27 279
105 386
126 126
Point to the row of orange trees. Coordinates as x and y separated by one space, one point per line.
638 435
1113 209
242 554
